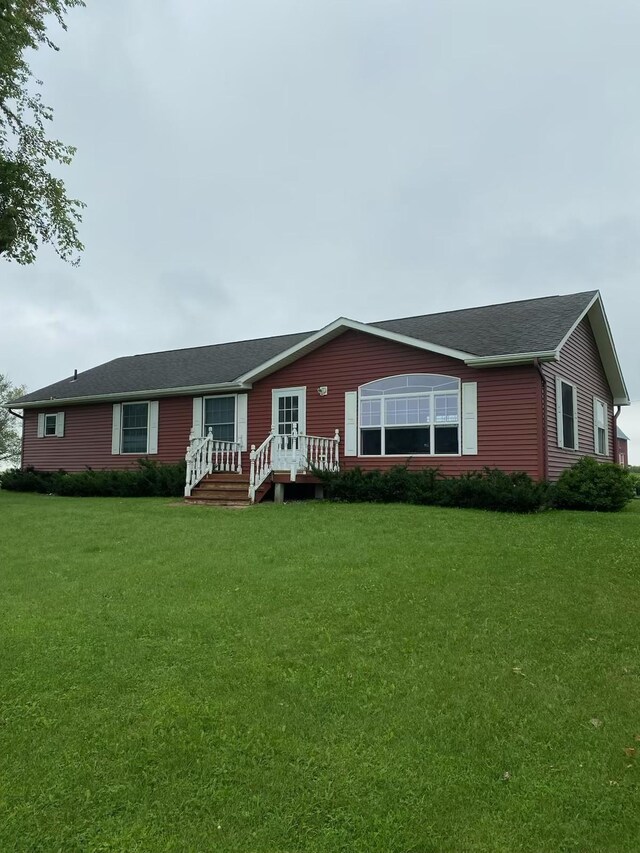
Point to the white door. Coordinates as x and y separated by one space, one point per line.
289 413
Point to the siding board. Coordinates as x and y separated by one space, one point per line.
579 363
508 401
509 405
87 438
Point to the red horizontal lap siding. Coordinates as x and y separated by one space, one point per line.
623 452
509 401
579 363
87 438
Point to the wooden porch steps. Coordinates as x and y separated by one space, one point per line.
221 489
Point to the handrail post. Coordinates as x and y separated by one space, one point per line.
336 439
252 474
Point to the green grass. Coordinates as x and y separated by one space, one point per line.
312 678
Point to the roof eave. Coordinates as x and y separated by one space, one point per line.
511 359
606 347
342 324
155 393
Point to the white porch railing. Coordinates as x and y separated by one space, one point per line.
206 454
318 453
261 464
294 453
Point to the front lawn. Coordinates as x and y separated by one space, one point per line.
316 678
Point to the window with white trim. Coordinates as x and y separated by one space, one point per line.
50 424
135 428
220 417
567 413
417 413
600 436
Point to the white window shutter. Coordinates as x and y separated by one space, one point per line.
595 425
60 425
606 429
576 430
559 412
115 429
241 420
196 426
41 425
470 418
153 427
351 423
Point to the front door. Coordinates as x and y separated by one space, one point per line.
289 413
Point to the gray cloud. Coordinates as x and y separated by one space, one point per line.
256 168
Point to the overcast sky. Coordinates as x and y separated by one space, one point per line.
257 167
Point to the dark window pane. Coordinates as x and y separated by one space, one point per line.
134 415
371 442
407 440
602 441
568 426
567 399
134 441
50 425
219 410
446 440
222 432
567 430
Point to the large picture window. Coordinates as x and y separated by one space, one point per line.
416 413
220 417
135 427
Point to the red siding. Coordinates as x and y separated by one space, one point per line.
579 363
508 401
509 411
623 452
87 437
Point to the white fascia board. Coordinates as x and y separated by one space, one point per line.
155 393
595 299
342 324
606 347
508 359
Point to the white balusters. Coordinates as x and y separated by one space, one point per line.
205 455
261 463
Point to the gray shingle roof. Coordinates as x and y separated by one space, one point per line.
208 365
533 325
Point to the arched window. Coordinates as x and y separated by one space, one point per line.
416 413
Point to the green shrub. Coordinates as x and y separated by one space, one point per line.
634 477
495 490
592 485
488 489
149 479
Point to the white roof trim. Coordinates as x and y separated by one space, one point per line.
578 321
333 330
511 358
155 393
606 347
